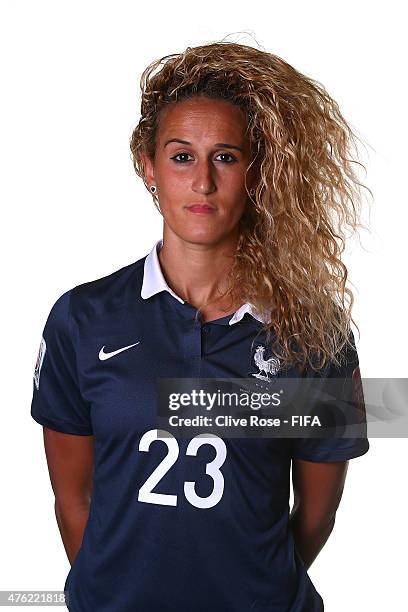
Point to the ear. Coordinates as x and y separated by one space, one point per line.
148 166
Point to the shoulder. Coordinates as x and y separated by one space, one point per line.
96 297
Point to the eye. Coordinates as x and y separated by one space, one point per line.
179 161
232 158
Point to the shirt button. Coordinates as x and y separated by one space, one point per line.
206 330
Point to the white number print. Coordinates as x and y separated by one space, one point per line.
145 491
213 469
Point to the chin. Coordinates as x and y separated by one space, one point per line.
200 236
201 231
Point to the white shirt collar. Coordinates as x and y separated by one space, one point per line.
154 282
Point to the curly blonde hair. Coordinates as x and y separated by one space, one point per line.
287 262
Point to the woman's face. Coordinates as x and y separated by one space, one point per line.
202 154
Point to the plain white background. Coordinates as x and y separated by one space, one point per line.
73 210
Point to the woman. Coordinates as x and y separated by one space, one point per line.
248 162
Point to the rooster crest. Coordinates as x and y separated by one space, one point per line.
269 366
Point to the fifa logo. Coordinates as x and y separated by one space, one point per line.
39 362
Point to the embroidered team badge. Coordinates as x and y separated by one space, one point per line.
39 362
268 366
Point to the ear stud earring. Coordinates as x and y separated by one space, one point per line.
153 188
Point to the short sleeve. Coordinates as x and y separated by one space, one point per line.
57 402
339 448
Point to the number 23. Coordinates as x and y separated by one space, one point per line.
213 469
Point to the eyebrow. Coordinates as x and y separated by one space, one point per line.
224 145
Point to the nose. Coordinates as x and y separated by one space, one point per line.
203 179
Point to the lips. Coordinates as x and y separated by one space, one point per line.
201 208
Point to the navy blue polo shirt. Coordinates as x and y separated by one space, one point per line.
153 542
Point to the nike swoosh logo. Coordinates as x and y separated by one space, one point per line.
103 355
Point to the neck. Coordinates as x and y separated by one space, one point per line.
197 272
